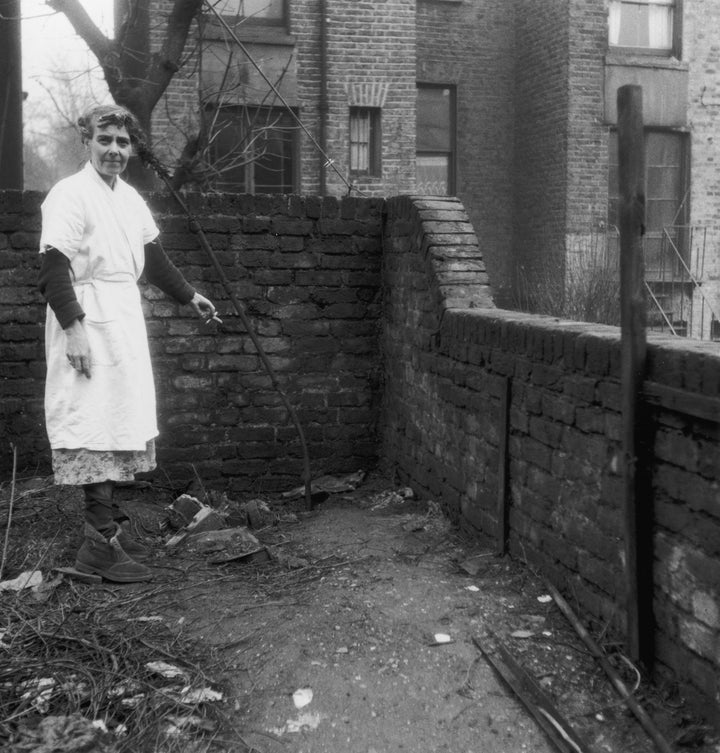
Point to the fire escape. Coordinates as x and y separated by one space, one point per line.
674 273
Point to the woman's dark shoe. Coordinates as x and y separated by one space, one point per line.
131 546
107 558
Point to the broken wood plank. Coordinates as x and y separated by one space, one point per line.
550 720
640 714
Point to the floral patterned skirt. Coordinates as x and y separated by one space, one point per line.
77 467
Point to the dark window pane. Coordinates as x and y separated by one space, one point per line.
253 150
664 180
273 167
663 149
434 119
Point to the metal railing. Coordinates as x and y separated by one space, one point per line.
674 263
674 271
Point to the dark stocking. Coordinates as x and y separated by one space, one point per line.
100 512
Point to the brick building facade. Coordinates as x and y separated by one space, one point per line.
508 105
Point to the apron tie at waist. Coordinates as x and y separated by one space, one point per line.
116 279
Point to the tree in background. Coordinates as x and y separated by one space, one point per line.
137 77
51 141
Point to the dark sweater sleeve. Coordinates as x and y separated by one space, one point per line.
56 286
162 273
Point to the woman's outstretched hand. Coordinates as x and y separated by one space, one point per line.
205 309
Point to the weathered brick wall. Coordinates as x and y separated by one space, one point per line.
370 62
702 53
587 142
447 367
541 138
307 271
470 46
175 117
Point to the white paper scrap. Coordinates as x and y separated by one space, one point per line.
302 697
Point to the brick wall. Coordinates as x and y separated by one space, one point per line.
541 136
587 143
447 369
703 55
470 46
307 272
370 47
427 340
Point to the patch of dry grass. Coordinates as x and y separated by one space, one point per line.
78 663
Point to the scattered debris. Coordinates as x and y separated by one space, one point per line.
391 497
199 695
523 634
306 720
71 572
328 485
257 514
63 734
440 638
473 565
27 579
302 697
205 519
693 736
647 724
168 671
228 539
182 511
545 599
557 729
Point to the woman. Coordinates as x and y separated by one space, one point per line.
98 237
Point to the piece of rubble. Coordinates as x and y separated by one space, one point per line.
302 697
215 541
166 670
258 513
328 485
206 519
183 510
27 579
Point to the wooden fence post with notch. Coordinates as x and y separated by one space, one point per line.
633 313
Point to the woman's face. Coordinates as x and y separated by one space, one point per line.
110 149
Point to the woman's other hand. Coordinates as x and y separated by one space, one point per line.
78 348
205 309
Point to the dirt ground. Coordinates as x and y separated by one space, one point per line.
357 628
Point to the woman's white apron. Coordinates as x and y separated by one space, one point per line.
102 231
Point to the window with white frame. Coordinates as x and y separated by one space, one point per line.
365 142
644 25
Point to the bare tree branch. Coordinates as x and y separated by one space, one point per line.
120 62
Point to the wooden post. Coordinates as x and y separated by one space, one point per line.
502 490
637 517
11 96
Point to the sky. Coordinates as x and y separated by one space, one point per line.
61 78
50 45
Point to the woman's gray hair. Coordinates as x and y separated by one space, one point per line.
105 115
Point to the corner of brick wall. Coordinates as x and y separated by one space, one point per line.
447 369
